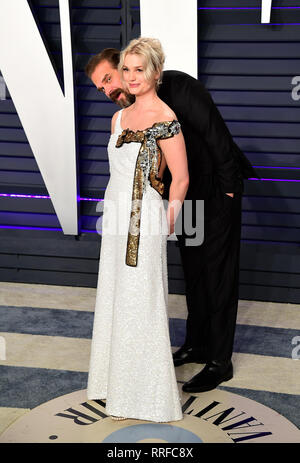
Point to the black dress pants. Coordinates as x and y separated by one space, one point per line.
211 272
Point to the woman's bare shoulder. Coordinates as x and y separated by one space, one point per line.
113 121
166 113
115 115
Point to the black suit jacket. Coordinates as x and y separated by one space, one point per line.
214 159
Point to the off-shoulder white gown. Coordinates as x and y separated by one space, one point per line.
131 362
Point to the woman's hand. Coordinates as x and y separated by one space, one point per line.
170 230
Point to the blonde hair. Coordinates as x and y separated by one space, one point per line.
151 50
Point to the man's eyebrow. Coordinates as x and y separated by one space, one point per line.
105 77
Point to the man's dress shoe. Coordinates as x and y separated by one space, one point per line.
186 355
210 377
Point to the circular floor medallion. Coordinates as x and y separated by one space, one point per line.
210 417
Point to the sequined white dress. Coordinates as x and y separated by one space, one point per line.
131 362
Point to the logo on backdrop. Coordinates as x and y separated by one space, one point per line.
55 155
45 111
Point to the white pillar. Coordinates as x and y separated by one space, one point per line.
266 6
174 23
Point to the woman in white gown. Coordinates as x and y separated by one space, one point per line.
131 363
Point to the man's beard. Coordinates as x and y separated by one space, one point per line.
126 99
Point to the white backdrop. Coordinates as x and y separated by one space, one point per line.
174 23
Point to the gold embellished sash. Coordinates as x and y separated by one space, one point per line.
146 169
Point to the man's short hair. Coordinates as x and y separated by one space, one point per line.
112 55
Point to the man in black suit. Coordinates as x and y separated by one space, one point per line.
216 169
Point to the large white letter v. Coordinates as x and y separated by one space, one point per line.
47 115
